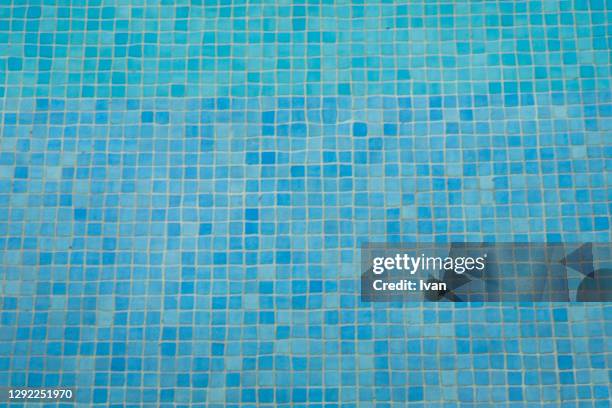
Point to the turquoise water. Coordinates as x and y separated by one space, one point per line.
184 188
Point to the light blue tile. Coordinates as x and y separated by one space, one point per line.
184 188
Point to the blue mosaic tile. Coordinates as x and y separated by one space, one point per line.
184 187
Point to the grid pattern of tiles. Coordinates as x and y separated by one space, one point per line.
184 187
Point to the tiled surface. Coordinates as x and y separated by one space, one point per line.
184 186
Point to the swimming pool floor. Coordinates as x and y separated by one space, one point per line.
185 185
